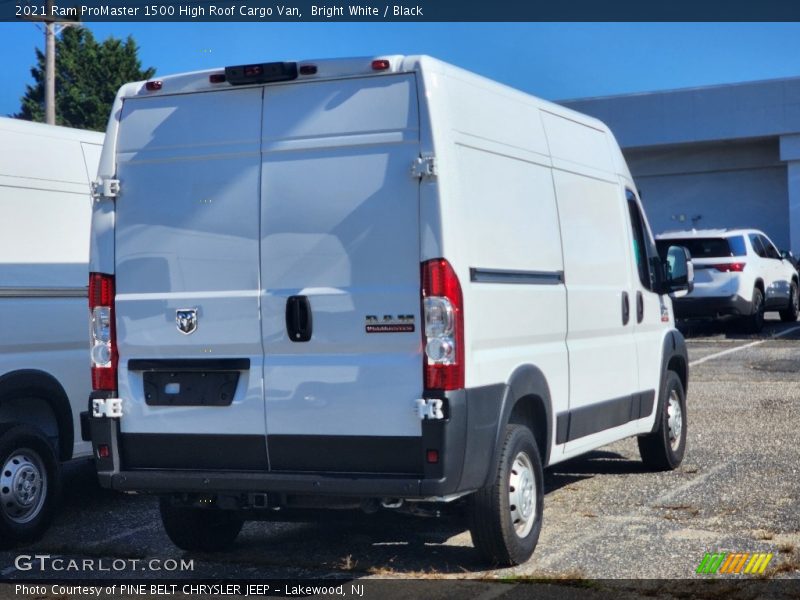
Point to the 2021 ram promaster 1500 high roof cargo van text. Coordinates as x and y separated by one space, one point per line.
370 282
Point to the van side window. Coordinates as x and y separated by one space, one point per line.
639 242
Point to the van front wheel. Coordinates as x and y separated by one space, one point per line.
200 529
663 449
505 517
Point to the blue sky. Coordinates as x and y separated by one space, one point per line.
551 60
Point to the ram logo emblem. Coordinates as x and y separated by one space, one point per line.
186 320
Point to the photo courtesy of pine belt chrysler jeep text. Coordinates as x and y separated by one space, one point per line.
370 282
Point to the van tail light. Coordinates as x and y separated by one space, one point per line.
443 314
103 331
736 267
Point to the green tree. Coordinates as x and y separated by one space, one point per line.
88 75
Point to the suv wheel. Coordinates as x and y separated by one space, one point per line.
663 449
200 529
29 484
505 517
755 322
789 314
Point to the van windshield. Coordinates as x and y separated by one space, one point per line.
706 247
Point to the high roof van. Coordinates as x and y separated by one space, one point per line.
371 282
45 213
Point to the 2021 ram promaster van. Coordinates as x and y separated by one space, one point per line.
366 282
45 213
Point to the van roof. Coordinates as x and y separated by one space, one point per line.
55 131
326 69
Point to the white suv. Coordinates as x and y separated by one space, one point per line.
738 272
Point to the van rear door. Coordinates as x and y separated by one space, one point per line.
340 269
187 279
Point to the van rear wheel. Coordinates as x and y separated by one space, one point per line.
663 449
200 529
29 484
505 517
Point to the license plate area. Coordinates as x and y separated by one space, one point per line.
190 388
189 381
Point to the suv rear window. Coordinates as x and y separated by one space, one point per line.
707 247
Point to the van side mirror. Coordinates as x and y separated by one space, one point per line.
679 276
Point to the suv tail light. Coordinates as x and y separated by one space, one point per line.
443 313
103 332
736 267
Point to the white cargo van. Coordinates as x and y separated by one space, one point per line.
370 282
45 213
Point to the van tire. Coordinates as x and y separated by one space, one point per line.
200 529
755 322
491 519
30 484
789 314
663 449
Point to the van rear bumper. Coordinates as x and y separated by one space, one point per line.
464 441
215 481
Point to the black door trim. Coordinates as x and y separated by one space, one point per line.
479 275
586 420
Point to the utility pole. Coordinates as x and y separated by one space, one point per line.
50 69
50 57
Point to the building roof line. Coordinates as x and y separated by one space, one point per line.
714 86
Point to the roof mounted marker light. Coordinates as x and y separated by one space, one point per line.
261 73
154 86
380 64
308 69
217 78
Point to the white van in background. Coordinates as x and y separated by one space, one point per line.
45 212
370 282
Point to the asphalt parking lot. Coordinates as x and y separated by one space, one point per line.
605 517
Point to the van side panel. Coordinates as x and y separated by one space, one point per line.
515 299
44 235
500 229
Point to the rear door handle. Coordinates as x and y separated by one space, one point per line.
298 318
626 308
639 307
